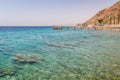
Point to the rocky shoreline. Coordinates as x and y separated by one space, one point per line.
106 27
108 18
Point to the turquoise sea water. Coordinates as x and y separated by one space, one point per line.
66 54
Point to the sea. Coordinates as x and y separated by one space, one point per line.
68 54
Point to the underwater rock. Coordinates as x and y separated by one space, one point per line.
59 45
26 58
6 72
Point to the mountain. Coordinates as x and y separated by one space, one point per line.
109 15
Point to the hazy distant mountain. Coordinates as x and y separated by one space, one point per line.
110 15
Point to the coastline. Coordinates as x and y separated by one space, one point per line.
106 27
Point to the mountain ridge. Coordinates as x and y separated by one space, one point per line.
109 15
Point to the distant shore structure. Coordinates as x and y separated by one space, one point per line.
75 27
57 27
78 26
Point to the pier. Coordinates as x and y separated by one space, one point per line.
78 26
67 27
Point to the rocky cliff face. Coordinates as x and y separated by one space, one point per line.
110 15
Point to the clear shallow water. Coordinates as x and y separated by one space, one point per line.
67 54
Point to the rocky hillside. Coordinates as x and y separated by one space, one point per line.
110 15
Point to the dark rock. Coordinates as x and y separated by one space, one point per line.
6 72
59 45
29 58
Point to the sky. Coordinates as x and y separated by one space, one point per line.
49 12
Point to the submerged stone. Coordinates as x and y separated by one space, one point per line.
6 72
59 45
26 58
